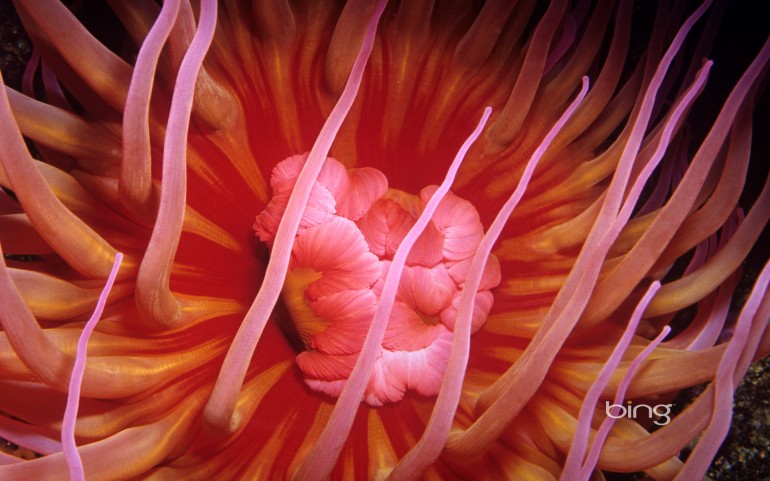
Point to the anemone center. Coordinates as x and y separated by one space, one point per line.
350 229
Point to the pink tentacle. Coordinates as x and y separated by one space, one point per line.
154 298
135 181
574 465
429 447
74 463
220 409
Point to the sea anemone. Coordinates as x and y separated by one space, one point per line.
382 240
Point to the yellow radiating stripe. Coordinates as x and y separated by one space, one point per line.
382 456
204 170
503 353
316 428
255 389
533 285
196 223
251 396
201 308
233 142
349 466
189 271
263 461
522 324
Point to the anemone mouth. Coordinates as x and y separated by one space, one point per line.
347 246
540 354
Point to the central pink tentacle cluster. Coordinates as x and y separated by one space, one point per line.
348 234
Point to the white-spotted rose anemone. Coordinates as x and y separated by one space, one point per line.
310 288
